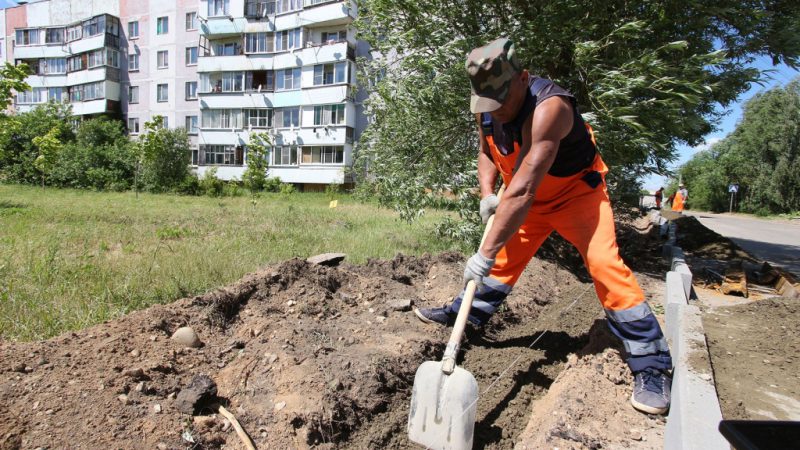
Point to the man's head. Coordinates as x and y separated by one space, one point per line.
495 76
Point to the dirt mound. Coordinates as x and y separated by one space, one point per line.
754 350
701 242
303 356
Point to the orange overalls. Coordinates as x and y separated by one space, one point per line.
582 215
678 202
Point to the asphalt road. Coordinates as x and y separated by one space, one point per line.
776 241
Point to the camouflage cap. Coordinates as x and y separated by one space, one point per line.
491 69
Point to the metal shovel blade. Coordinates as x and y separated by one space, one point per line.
443 407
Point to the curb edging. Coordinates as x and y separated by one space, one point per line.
694 411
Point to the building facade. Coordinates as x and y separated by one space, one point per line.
229 71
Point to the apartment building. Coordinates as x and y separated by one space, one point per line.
226 70
283 69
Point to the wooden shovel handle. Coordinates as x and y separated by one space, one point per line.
451 351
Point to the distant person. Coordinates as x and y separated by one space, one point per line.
659 195
679 203
533 137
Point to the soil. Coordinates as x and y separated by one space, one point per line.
755 350
313 356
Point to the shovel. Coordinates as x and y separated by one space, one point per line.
445 397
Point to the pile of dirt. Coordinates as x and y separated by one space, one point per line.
754 353
303 355
701 242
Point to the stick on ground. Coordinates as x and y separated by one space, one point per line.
248 443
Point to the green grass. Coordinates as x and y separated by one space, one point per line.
70 259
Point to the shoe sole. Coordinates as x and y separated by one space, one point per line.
423 318
646 408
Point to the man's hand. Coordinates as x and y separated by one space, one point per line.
477 267
488 207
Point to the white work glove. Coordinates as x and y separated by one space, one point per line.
488 207
477 267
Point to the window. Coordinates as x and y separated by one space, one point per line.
96 58
162 25
162 92
287 79
228 49
191 124
35 95
194 156
221 82
329 115
191 90
191 21
55 94
133 94
334 36
287 40
259 42
164 122
133 30
283 6
223 155
258 118
162 59
221 118
94 26
260 81
218 7
74 33
284 156
27 37
330 73
327 154
133 62
287 117
54 36
112 58
93 91
231 81
191 56
77 63
51 66
112 26
133 125
259 8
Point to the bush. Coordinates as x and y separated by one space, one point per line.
232 189
190 185
165 156
210 184
287 188
272 184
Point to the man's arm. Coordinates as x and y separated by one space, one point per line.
487 172
550 123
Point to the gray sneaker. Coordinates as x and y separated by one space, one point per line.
651 391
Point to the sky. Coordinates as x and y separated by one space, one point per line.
781 76
7 3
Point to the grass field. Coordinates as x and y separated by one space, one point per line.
70 259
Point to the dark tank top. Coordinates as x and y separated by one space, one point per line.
575 152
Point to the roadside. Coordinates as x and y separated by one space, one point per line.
774 240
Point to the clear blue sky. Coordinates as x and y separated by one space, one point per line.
7 3
781 76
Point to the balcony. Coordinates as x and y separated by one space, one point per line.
46 80
219 27
338 51
92 107
102 73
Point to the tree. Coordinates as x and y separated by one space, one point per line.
255 176
102 157
12 79
762 155
164 155
18 152
647 75
49 148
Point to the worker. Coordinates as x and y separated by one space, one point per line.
659 195
532 135
679 203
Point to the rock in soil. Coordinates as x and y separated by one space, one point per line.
199 393
327 259
186 337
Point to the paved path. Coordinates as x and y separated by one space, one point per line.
776 241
